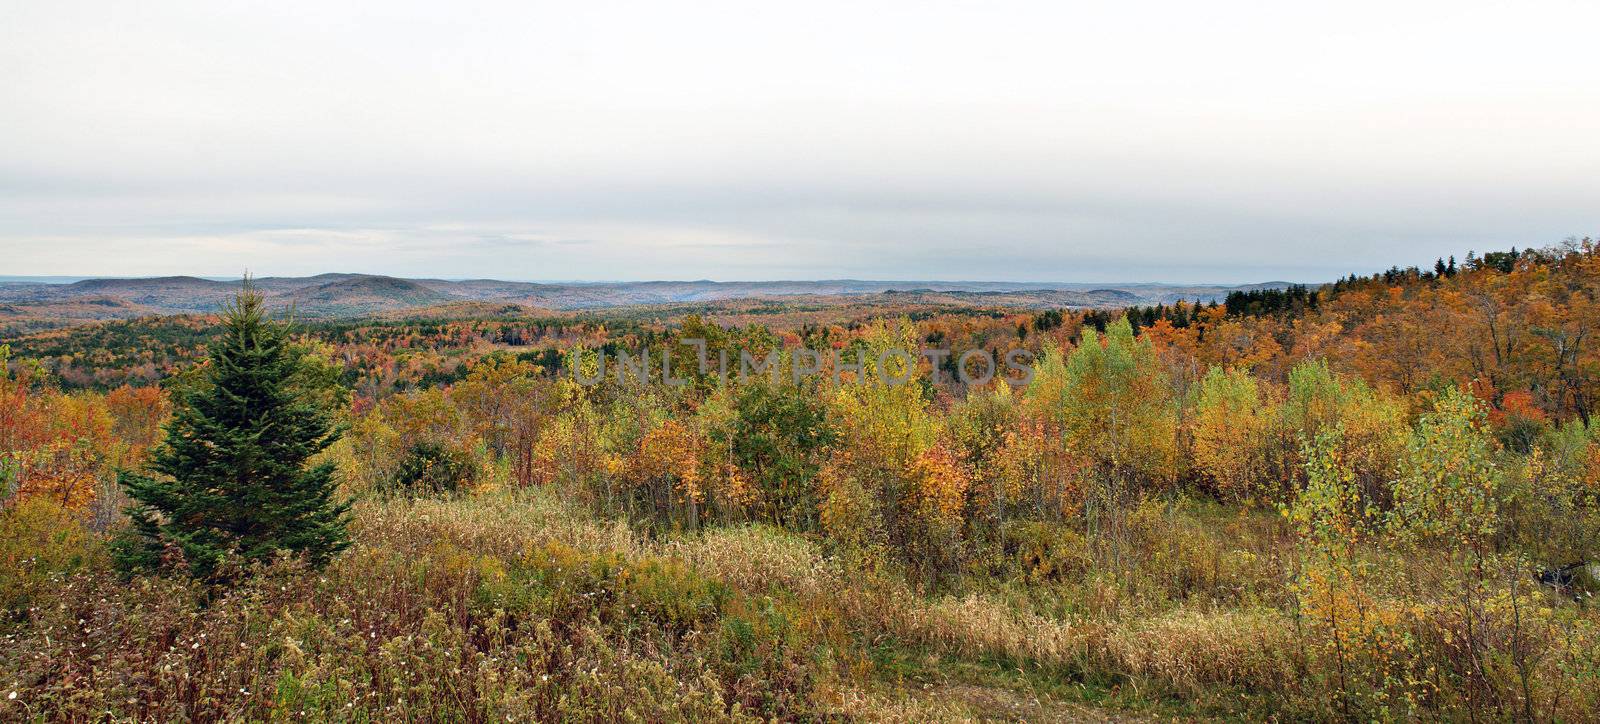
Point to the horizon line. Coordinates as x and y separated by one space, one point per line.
72 279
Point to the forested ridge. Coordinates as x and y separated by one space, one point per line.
1374 499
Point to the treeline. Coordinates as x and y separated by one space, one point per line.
379 357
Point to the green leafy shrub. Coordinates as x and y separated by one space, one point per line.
432 469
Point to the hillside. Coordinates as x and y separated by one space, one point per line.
35 304
359 295
20 318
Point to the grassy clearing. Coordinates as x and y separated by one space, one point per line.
516 605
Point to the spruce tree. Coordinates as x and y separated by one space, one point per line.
233 479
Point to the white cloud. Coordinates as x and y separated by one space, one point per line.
1227 141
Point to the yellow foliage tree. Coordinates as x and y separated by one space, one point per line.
1232 427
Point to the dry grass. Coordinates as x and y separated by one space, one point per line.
1191 652
977 626
512 602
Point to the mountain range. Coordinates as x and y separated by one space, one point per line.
34 304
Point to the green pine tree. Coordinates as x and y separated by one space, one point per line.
232 480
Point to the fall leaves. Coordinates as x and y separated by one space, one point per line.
1197 400
64 447
1230 423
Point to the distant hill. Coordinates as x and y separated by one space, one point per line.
30 303
19 318
358 295
98 285
466 309
178 293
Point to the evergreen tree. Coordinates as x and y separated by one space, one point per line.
232 478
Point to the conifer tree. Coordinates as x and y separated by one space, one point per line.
232 479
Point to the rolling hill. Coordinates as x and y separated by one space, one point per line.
32 305
359 295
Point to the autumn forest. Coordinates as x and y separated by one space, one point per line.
1372 499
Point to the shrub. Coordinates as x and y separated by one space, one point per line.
431 469
40 541
1044 551
778 438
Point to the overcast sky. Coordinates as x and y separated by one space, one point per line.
1177 141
